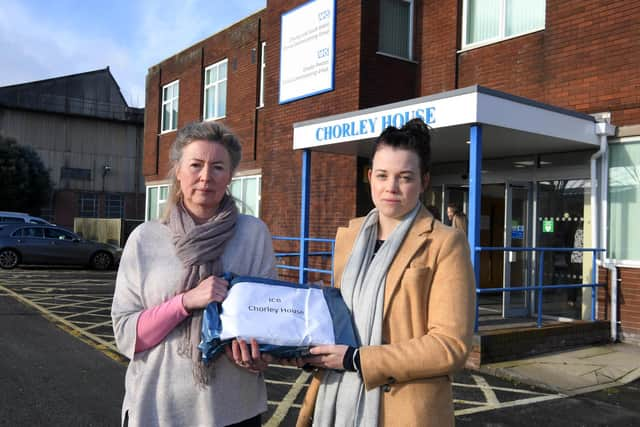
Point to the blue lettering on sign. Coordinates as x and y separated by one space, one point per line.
372 124
323 52
368 126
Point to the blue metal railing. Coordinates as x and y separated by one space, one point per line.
540 286
303 253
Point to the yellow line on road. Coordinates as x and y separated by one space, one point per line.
88 338
287 401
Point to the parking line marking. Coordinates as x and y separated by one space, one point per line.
274 403
287 401
516 390
77 304
98 343
484 386
510 404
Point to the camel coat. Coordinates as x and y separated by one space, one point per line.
429 307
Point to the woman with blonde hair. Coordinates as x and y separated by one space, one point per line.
169 272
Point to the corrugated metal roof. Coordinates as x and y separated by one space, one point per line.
93 93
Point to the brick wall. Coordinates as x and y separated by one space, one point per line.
437 44
333 182
583 60
240 45
628 302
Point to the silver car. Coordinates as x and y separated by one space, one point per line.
49 244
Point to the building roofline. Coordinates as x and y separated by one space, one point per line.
99 70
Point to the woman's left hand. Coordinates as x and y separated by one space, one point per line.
327 356
248 358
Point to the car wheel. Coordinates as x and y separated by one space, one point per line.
101 260
8 258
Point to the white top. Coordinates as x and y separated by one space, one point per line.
159 385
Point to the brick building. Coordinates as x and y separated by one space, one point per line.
573 58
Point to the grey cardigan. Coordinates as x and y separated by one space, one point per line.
159 385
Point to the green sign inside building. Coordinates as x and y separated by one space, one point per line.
547 226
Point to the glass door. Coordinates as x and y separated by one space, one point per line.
517 234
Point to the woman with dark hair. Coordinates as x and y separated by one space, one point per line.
408 282
169 272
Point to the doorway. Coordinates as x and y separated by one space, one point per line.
518 233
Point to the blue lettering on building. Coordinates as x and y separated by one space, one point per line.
368 126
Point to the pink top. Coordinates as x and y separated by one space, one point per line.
155 323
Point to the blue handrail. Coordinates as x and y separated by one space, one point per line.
540 286
303 254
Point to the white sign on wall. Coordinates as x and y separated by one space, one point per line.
307 50
370 123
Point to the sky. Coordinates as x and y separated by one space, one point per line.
41 39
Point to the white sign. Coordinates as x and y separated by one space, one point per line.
369 124
277 315
307 44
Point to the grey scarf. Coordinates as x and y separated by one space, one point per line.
342 399
200 248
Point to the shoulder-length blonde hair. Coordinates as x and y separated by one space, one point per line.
198 131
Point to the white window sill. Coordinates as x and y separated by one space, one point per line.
497 40
212 119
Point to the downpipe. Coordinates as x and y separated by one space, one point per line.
603 130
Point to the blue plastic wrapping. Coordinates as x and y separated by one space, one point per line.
285 318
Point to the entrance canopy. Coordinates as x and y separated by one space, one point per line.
512 126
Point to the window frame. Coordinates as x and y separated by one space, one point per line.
613 235
108 203
88 196
172 126
502 27
216 84
159 186
242 179
410 34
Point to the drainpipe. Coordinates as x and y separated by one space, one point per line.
613 274
604 129
595 237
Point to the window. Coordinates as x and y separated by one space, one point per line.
28 232
215 90
52 233
396 28
157 196
624 200
246 191
493 20
170 106
75 173
263 63
114 206
88 205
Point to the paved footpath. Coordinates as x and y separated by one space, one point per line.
50 375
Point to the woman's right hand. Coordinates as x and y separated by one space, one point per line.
209 290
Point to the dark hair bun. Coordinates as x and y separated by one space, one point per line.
417 128
414 136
